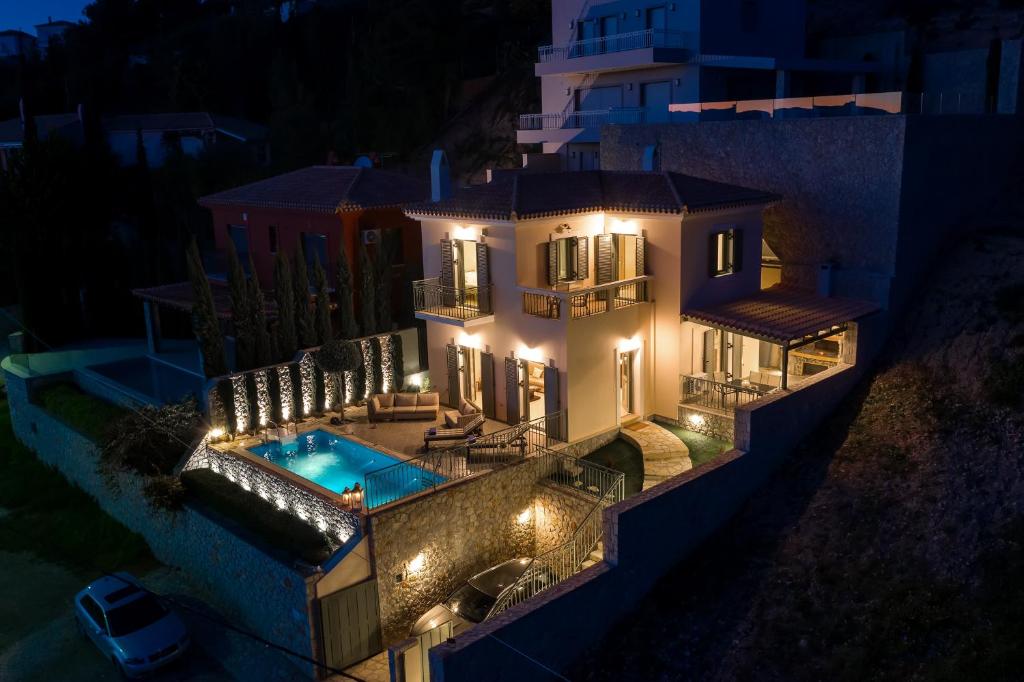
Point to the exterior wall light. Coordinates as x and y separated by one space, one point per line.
696 421
346 497
417 564
524 517
357 496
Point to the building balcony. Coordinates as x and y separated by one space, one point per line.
619 52
554 304
465 307
575 126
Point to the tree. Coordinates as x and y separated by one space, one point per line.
337 357
262 353
324 333
284 294
204 316
397 364
376 365
385 259
304 328
368 292
241 312
349 328
359 373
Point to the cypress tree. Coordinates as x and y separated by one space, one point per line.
368 292
262 353
376 365
324 332
359 373
284 294
241 315
385 257
204 316
304 328
397 364
348 327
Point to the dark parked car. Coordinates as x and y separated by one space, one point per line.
470 603
129 625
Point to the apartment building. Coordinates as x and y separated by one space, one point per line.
621 62
613 296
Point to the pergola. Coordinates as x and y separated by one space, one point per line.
784 315
180 296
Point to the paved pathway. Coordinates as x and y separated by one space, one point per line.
665 455
371 670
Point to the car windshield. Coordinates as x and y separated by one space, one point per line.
135 615
470 603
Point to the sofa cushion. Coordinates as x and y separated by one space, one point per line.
405 409
375 404
426 409
428 399
405 400
466 407
385 412
386 399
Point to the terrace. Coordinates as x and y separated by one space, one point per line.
576 303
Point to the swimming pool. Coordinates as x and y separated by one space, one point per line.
337 463
150 380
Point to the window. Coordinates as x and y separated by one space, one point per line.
95 612
272 238
725 253
567 260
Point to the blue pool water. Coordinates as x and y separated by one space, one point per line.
337 463
156 382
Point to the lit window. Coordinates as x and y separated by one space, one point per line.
725 253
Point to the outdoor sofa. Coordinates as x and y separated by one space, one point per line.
403 406
456 419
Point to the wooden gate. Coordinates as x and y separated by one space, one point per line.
350 619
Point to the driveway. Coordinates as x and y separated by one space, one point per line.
39 641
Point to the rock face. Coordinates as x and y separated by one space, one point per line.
890 546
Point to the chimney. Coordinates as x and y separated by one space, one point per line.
651 158
440 176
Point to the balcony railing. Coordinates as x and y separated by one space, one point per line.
586 302
719 393
620 42
583 119
429 296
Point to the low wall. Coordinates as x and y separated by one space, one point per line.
248 584
647 535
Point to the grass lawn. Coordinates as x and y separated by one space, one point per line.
45 515
622 456
702 448
85 413
261 518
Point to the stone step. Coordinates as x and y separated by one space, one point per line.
587 563
595 556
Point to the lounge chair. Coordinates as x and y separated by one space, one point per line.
434 434
514 437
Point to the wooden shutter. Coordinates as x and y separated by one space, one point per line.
605 267
709 351
552 402
737 250
483 277
487 384
582 257
737 356
552 262
447 269
713 254
641 256
454 392
512 414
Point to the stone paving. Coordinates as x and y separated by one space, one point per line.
371 670
664 454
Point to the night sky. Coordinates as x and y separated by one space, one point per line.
25 14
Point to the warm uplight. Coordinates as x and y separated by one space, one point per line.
217 433
620 226
468 340
417 564
465 233
524 517
628 345
414 380
531 354
695 420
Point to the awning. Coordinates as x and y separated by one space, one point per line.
179 296
782 314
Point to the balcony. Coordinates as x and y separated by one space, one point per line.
553 304
575 126
619 52
460 307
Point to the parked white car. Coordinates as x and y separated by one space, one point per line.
129 625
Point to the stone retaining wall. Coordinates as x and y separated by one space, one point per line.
557 513
260 591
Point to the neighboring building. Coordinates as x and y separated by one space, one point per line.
190 132
614 296
15 44
626 61
323 206
50 31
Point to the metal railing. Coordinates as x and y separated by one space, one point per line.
438 467
619 42
587 302
552 567
721 395
429 296
592 118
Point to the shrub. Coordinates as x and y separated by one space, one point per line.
89 415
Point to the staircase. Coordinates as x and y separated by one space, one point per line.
596 555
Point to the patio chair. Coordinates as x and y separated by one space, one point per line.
433 435
505 442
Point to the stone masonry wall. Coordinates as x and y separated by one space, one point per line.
558 512
258 590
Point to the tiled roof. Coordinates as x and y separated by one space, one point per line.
534 195
11 132
782 313
189 120
179 296
325 189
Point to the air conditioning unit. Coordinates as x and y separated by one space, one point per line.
371 236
